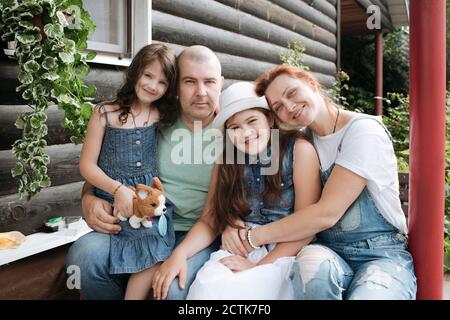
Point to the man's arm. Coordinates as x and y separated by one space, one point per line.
98 212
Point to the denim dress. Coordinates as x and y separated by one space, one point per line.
214 281
129 157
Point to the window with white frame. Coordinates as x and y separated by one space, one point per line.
113 27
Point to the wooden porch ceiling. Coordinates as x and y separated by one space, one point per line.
353 19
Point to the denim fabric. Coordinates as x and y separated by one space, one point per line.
363 256
255 182
133 250
129 156
91 254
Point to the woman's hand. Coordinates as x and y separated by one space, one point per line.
123 202
237 263
176 265
232 242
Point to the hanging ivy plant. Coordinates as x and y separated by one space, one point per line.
50 37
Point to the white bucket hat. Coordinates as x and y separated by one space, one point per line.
238 97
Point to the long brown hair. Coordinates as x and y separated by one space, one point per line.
126 95
230 200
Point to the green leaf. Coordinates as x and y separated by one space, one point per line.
89 90
26 24
91 55
66 57
50 63
82 70
65 98
86 110
20 123
52 76
34 187
31 66
25 78
28 38
36 53
27 94
45 183
54 31
17 170
35 123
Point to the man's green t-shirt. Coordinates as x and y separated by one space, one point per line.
185 162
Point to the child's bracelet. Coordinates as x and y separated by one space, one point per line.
117 188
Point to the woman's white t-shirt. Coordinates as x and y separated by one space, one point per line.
367 151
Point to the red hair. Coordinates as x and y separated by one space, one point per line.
263 82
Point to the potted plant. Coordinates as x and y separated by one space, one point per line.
50 37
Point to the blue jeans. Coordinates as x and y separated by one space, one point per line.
91 254
321 274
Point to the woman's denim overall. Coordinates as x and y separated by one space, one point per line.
366 257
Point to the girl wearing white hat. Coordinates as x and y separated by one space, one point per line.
275 178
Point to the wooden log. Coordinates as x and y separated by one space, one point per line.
323 6
63 167
173 29
9 132
234 67
274 13
305 11
28 217
292 28
107 80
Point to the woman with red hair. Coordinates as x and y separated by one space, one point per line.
360 250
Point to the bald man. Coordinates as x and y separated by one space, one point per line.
186 184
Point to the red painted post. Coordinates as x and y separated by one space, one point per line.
379 73
427 144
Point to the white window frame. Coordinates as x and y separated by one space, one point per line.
141 34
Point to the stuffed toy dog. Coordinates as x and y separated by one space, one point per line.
148 203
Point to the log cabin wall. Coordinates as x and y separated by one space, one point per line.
247 35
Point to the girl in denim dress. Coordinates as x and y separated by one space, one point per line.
270 174
120 150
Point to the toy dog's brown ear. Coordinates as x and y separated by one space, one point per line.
157 183
142 191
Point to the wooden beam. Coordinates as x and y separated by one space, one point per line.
63 167
9 132
281 16
276 25
323 6
107 80
28 217
169 28
304 10
239 68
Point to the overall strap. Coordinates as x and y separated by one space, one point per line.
357 118
105 113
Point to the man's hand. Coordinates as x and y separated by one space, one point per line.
98 214
236 263
232 242
176 265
